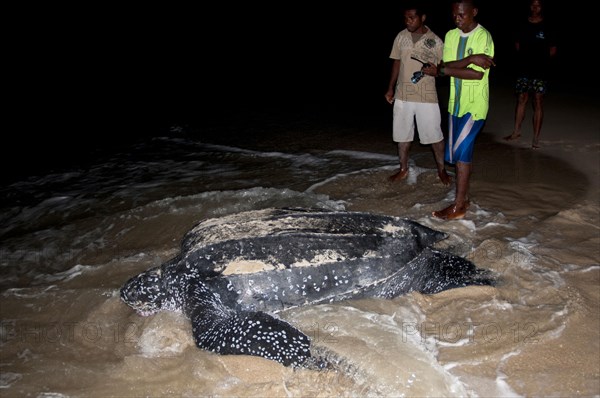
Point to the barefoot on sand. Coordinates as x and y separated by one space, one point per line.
401 175
452 212
512 137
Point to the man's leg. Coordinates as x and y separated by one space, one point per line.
438 154
458 209
463 176
403 133
403 148
538 118
519 116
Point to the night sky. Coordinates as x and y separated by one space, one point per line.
93 75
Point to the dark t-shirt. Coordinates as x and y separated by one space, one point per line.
535 40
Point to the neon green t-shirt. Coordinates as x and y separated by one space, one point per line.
469 96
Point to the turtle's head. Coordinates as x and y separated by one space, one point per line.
145 293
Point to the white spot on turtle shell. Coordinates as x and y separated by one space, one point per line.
326 256
390 228
246 267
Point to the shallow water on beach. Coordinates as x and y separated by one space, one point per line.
70 239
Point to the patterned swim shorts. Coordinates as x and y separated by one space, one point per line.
525 85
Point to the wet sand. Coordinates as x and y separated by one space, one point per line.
534 220
558 185
552 193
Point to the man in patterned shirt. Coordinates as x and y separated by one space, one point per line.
415 98
468 55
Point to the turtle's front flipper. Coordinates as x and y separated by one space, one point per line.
222 330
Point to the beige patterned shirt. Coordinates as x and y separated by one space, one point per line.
429 48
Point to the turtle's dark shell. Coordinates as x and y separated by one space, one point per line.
235 270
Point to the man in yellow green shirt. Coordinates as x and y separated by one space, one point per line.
468 55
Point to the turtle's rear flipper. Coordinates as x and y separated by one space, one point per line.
433 271
222 330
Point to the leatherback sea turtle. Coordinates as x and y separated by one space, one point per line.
233 273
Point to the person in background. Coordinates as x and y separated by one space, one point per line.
536 46
415 99
468 55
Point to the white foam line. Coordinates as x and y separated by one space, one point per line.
363 155
341 175
458 343
17 292
495 224
351 154
7 379
469 224
451 365
503 387
413 173
282 155
65 275
589 269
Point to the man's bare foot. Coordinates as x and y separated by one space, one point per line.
512 137
444 177
535 144
401 175
452 212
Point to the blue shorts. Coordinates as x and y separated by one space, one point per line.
461 138
526 85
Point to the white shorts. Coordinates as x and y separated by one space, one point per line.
428 122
